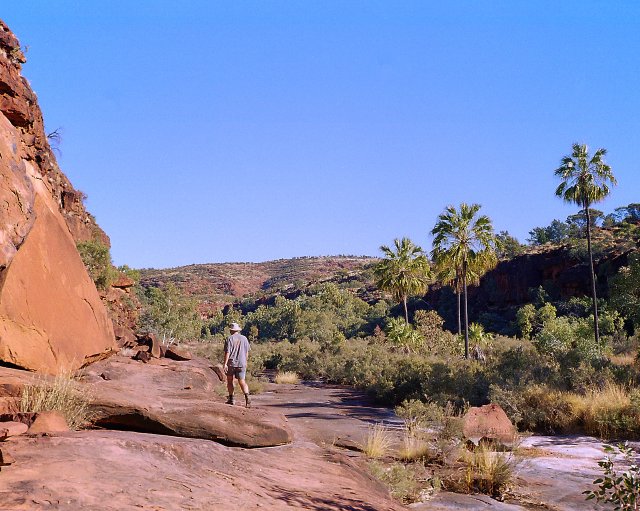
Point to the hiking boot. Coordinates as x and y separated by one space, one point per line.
230 400
247 401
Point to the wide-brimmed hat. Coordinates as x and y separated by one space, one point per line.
235 327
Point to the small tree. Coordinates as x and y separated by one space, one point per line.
403 272
170 313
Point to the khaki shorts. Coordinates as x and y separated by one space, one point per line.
239 372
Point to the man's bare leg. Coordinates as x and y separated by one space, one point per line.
230 388
245 390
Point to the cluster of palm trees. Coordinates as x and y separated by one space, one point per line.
465 244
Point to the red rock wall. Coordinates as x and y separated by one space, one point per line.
51 317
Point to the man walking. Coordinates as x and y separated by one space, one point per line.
236 351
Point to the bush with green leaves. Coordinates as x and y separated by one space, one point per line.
97 260
619 489
169 313
323 313
625 290
403 336
437 341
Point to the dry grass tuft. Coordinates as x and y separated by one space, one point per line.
487 471
60 394
608 412
289 377
377 442
414 448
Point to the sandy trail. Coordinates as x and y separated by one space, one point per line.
551 475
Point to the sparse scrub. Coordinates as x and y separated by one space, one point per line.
487 471
58 393
287 377
377 442
404 481
414 448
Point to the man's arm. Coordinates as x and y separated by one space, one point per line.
226 355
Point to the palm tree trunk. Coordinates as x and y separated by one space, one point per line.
596 329
459 313
466 313
406 311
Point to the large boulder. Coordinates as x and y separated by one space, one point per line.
488 422
176 398
51 316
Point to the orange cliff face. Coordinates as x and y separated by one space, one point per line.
51 316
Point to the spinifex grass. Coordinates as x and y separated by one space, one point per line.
58 393
377 442
287 377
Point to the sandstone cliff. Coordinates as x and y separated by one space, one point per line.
51 316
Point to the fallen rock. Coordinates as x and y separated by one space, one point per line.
12 428
48 422
125 338
142 355
123 282
176 353
488 422
150 339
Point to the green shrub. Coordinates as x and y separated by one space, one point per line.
620 489
170 313
97 260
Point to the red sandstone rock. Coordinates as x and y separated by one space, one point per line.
6 458
142 355
12 428
125 338
177 398
177 353
48 422
51 317
219 370
123 282
488 422
150 339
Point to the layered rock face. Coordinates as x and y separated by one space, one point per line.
51 317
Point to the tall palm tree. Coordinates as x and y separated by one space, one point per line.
586 180
403 272
449 272
468 242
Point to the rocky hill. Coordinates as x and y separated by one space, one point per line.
217 284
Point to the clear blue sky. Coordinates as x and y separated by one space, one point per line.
207 131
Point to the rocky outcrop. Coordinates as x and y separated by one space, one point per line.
51 317
176 398
116 470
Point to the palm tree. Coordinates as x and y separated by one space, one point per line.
468 242
403 272
449 272
586 180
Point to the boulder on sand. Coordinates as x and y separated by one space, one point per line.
488 422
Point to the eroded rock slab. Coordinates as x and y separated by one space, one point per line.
113 470
177 398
